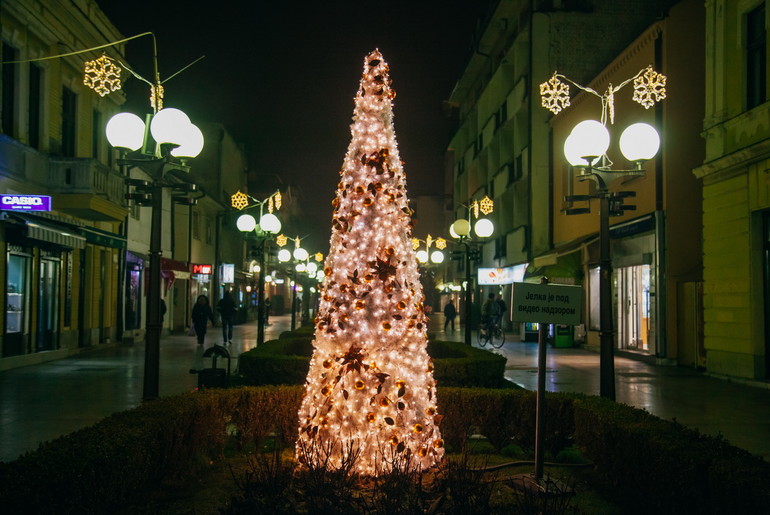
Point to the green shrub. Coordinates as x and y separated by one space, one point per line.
647 465
287 359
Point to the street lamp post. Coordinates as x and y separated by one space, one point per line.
165 148
585 149
461 230
268 226
589 141
298 255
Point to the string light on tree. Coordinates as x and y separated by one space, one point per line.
370 396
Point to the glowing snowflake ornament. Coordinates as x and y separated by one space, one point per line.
554 95
239 200
649 87
102 75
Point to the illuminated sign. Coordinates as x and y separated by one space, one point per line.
25 203
201 269
227 273
507 275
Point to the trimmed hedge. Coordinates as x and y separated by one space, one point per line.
647 465
287 359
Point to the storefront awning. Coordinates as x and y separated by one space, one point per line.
36 228
49 234
103 238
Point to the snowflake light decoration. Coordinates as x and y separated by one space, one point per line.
281 240
415 243
554 94
440 243
239 200
486 205
319 257
102 75
649 87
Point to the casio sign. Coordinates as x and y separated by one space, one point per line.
25 202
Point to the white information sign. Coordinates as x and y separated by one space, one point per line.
547 303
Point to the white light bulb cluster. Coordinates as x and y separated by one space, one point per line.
370 391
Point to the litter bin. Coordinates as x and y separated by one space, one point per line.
563 337
214 377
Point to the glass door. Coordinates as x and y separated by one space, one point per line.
17 312
633 308
48 306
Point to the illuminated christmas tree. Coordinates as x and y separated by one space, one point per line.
370 397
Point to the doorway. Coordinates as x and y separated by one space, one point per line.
633 308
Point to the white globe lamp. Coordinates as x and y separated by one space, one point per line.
246 223
270 223
484 228
639 142
591 138
125 130
169 125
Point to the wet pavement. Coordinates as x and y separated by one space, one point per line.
41 402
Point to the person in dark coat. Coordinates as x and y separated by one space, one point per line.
449 315
227 310
201 314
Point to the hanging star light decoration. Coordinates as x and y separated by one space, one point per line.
554 94
102 75
649 87
440 243
239 200
281 240
486 205
319 257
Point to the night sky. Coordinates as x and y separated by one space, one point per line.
282 76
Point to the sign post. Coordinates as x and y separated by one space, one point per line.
544 304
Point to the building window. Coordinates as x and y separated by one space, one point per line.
96 132
34 122
68 122
196 225
756 58
9 80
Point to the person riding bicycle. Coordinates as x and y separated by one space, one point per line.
490 313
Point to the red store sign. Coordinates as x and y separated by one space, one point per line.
201 269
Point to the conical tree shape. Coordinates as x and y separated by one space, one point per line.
370 397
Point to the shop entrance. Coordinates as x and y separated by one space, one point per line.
48 306
633 308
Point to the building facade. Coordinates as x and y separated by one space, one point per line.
502 144
736 197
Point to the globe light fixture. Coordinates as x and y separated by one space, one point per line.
246 223
639 142
437 257
192 143
284 255
300 254
592 139
484 228
169 125
422 256
270 223
461 228
125 131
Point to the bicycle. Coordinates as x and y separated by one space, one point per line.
491 333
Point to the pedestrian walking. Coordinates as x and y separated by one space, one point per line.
266 313
201 314
227 311
449 315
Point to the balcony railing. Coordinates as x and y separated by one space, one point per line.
78 175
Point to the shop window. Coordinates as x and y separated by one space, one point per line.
756 57
9 74
594 304
48 306
17 310
34 113
68 122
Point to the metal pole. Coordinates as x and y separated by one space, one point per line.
606 339
261 295
468 289
294 302
152 346
542 348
